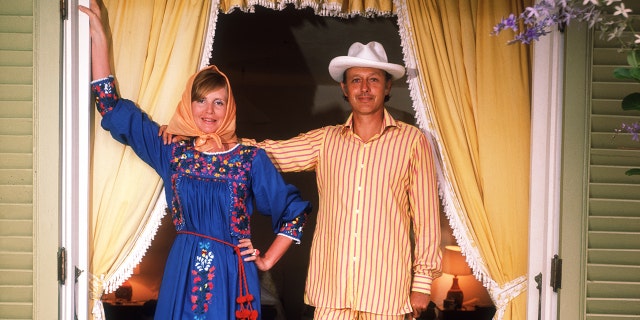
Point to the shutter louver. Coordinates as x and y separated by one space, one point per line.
16 160
613 222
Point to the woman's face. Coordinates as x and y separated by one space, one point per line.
209 111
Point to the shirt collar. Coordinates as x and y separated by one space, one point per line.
387 121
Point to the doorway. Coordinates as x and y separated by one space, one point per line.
277 63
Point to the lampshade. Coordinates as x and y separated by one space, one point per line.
454 263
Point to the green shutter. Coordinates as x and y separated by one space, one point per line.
613 217
16 159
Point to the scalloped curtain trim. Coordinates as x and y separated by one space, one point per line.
329 9
97 283
140 248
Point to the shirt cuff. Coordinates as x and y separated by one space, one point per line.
421 283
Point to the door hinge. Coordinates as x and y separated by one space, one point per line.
556 273
63 10
62 265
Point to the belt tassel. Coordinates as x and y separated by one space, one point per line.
244 299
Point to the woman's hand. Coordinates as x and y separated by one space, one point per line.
100 66
270 258
252 254
263 264
249 253
95 18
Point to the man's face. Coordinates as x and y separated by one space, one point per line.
365 88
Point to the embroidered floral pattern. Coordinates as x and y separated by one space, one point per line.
294 227
203 273
239 217
105 93
231 166
176 208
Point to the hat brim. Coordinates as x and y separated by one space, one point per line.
339 65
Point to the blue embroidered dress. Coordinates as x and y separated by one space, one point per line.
210 195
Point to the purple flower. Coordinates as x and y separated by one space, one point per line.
506 23
538 19
633 128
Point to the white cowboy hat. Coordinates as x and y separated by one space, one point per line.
371 55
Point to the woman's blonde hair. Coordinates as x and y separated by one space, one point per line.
205 82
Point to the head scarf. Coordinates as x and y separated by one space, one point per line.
182 122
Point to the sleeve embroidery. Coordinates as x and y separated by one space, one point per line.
293 228
105 94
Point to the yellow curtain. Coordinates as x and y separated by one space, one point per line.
156 46
472 94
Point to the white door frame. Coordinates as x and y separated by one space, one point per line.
545 187
75 147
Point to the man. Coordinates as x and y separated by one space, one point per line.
377 191
376 180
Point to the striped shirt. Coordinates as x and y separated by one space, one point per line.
371 194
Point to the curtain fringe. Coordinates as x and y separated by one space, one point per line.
125 270
207 48
501 296
332 9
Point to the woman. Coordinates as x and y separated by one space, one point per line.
211 185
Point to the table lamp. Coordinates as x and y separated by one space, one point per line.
125 291
455 264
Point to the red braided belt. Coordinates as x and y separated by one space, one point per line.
245 311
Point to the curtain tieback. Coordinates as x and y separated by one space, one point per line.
245 311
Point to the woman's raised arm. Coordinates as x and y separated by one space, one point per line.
99 45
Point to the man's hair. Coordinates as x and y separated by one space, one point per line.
387 77
205 82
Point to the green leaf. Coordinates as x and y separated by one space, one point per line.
627 73
631 101
633 58
633 172
635 73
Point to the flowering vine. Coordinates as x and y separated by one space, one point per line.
611 17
